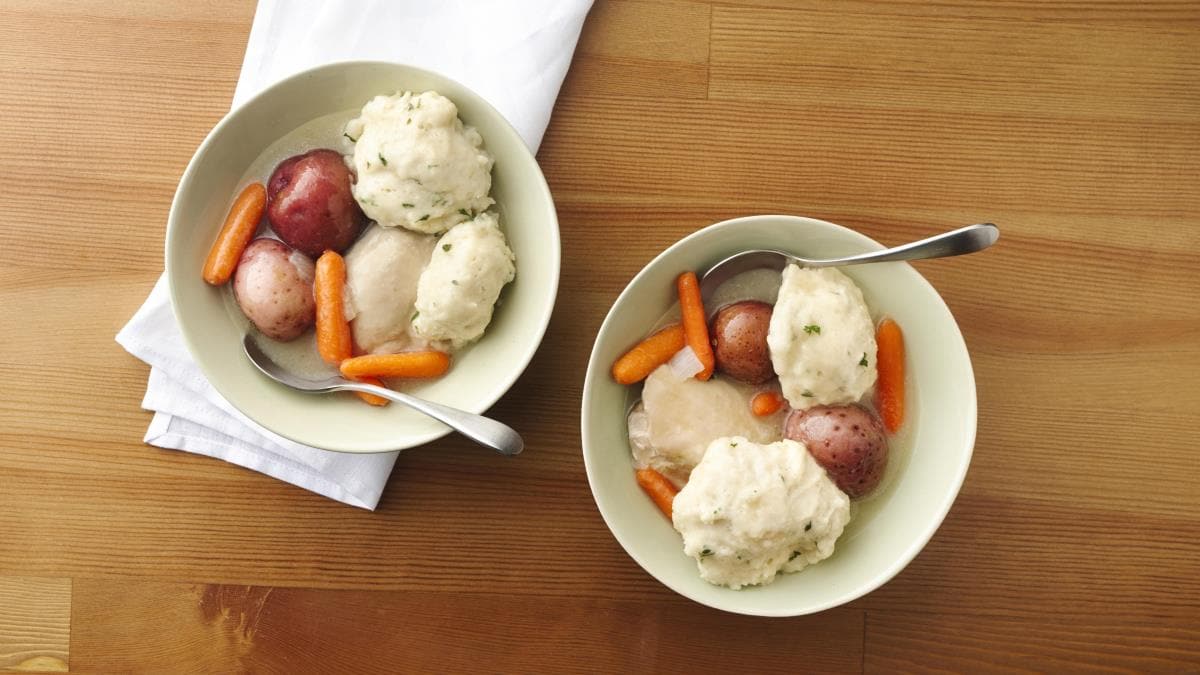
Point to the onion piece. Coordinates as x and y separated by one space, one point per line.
304 265
685 363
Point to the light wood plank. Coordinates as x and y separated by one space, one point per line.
35 624
800 157
1097 12
933 60
641 48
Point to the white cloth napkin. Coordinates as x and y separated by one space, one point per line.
514 54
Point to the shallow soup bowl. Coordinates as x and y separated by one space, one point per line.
213 327
928 456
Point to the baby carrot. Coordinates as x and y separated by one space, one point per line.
333 332
695 322
766 403
371 398
239 228
637 363
661 490
405 364
889 388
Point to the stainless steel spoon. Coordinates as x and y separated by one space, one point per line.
483 430
967 239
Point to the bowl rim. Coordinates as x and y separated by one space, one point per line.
552 243
595 371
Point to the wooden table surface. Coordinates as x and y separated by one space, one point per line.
1073 544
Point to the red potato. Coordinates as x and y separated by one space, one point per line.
310 205
739 334
847 440
273 286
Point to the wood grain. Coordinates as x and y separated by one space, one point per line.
1073 544
908 642
35 624
657 47
223 628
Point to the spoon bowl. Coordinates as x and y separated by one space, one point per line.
964 240
483 430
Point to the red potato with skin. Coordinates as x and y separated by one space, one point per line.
739 335
848 441
273 286
310 205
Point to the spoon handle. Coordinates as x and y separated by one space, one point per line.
483 430
964 240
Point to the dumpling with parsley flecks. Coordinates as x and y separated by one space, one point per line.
821 338
458 290
417 165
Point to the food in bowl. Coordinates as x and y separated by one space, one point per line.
749 511
678 438
761 417
818 330
411 289
309 203
381 314
418 166
458 290
273 285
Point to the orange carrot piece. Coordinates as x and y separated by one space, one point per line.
766 403
889 388
239 228
695 322
405 364
637 363
661 490
333 331
372 398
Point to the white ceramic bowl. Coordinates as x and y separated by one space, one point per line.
928 458
479 376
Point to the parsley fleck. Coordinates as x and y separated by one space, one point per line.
732 444
465 212
807 394
795 554
706 552
408 121
352 139
812 329
808 526
446 247
423 218
407 205
415 315
863 361
454 281
384 160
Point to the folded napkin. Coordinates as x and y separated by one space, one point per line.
514 54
